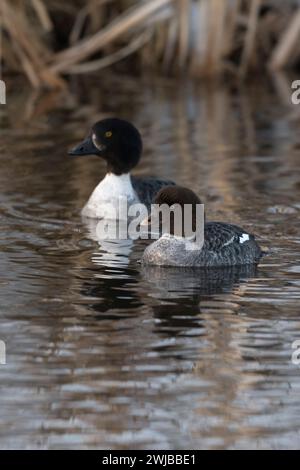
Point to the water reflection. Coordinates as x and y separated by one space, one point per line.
113 251
175 295
171 283
104 354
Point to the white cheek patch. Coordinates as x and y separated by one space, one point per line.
94 140
244 238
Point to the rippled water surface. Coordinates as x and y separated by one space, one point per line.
104 354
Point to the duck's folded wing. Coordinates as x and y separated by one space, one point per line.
147 188
218 235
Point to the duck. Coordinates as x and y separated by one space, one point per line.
224 244
119 143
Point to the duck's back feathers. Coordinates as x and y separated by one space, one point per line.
227 244
147 188
219 235
224 245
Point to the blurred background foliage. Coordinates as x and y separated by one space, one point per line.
47 40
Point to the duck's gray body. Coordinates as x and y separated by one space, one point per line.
224 245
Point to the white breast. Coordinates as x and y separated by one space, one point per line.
105 199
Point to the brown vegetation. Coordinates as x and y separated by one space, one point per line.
48 39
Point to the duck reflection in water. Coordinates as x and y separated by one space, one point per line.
114 251
176 294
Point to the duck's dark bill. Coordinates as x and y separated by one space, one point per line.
86 147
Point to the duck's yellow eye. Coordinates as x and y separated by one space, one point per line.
108 134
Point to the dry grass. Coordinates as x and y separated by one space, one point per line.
48 40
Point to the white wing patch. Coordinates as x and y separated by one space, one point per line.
244 237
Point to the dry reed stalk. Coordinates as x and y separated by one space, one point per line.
99 64
249 41
97 17
12 63
42 14
91 11
28 48
170 45
287 50
218 16
78 24
232 18
18 28
27 66
136 16
200 46
183 8
160 27
207 58
156 46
